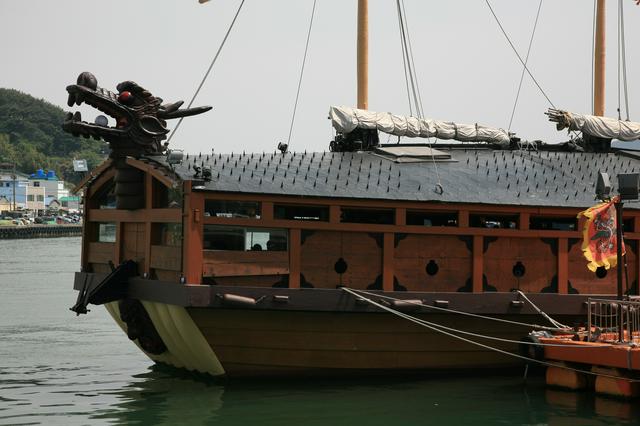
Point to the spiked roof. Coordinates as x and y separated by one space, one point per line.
471 175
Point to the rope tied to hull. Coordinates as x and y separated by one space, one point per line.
448 331
469 314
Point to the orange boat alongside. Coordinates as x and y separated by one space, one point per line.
604 356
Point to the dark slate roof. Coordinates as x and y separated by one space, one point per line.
473 175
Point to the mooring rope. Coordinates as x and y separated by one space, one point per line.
551 320
469 314
439 329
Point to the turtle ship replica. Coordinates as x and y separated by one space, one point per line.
282 263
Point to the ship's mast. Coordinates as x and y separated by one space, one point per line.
599 60
363 54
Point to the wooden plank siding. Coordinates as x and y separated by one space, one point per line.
244 263
101 252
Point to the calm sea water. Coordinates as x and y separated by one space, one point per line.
56 368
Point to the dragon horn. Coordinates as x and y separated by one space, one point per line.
171 107
166 115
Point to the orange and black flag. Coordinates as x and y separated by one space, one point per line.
599 238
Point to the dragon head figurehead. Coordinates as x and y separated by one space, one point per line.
140 117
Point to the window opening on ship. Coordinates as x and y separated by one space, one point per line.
293 212
601 272
167 234
489 220
421 218
244 239
240 209
553 223
106 232
106 198
377 216
627 225
432 268
164 197
518 269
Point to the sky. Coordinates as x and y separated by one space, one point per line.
465 68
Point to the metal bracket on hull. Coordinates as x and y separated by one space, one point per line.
112 287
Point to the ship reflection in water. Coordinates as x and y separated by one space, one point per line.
52 371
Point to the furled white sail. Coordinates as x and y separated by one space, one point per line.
346 119
602 127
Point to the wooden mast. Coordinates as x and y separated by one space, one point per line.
363 54
599 60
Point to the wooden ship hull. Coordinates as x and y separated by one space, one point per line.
221 306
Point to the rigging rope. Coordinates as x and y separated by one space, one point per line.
406 23
404 62
619 55
304 60
526 61
518 55
622 52
206 74
442 330
406 50
409 64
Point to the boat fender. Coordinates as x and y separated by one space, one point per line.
229 299
408 305
535 351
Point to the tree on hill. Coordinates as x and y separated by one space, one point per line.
31 137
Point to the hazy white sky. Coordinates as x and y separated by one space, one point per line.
466 70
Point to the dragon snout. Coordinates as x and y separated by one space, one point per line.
87 80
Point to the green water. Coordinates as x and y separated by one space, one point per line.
56 368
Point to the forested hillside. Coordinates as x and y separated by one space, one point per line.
31 137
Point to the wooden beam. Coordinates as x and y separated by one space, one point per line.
193 234
478 263
363 54
266 212
117 255
334 214
85 234
599 60
154 215
463 218
148 191
401 216
525 218
147 247
294 258
563 266
388 255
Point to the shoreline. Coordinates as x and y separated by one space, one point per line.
39 231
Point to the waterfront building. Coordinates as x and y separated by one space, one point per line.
5 204
18 189
70 203
54 188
